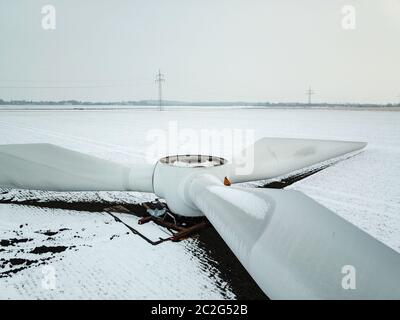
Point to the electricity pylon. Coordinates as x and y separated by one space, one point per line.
160 79
309 92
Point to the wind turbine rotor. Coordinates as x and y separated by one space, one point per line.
292 246
49 167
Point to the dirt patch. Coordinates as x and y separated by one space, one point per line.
93 206
114 236
46 249
19 261
231 270
50 233
12 242
283 183
18 264
12 271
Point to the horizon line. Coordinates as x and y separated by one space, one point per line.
153 102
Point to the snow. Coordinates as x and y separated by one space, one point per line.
103 260
362 189
254 206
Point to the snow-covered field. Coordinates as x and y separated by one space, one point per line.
364 190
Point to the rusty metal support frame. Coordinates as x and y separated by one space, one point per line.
179 233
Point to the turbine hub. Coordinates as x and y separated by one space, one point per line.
193 161
173 174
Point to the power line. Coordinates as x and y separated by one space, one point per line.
58 87
310 92
160 79
73 87
147 80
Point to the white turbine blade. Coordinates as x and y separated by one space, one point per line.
272 157
293 247
49 167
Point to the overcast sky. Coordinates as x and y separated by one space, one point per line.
209 50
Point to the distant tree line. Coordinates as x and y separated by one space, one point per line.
195 104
